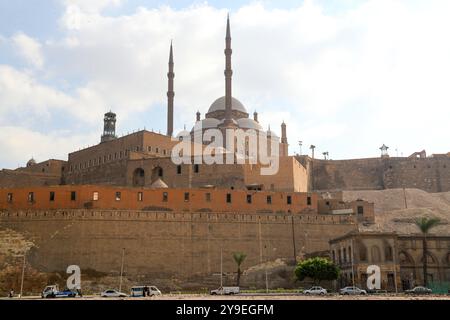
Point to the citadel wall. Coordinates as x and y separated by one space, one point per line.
431 174
185 200
167 245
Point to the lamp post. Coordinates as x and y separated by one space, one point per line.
23 273
121 270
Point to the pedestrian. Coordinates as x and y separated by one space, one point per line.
11 293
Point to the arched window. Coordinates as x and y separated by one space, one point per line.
375 254
139 177
362 252
388 256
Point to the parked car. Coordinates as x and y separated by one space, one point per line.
352 291
53 292
145 291
225 291
419 290
112 294
315 290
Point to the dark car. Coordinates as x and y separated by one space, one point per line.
419 290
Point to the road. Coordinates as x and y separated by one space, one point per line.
256 297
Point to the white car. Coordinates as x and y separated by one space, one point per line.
315 291
225 291
352 291
113 294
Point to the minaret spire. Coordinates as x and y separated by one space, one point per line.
170 93
228 75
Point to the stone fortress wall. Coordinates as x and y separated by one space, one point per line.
167 245
431 174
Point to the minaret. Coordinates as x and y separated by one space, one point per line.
228 76
170 94
109 127
284 150
255 116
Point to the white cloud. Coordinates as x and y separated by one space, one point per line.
346 82
22 144
30 49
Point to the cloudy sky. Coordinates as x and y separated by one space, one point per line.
345 75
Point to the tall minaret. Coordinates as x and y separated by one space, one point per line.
284 147
228 76
170 94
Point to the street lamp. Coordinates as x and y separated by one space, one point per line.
121 270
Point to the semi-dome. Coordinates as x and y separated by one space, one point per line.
219 105
246 123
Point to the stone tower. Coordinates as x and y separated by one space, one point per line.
284 147
109 127
170 94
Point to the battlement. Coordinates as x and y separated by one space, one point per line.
155 216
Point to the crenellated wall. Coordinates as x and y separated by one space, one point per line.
167 245
431 174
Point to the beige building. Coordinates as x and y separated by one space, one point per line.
398 256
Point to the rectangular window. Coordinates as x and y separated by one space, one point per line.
121 154
157 150
164 152
118 196
149 149
289 200
31 197
73 196
10 197
228 197
178 169
109 157
186 197
208 197
140 196
308 201
115 156
52 196
269 199
196 168
249 198
165 197
104 159
360 210
95 196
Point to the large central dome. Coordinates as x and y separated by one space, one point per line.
219 105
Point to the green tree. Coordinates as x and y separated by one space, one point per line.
425 225
239 258
317 269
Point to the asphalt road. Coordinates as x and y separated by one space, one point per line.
256 297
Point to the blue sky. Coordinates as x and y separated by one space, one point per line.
346 75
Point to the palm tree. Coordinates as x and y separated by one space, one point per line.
425 225
239 258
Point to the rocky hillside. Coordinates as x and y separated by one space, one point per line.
393 214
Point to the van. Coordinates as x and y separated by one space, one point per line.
145 291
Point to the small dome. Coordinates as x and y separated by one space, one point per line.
219 105
245 123
31 162
183 134
159 184
207 123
